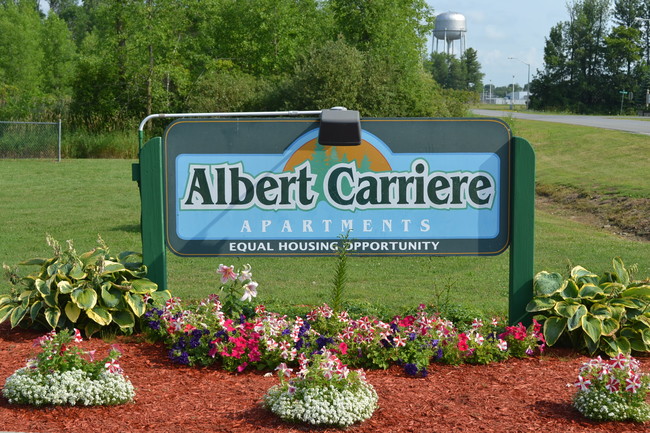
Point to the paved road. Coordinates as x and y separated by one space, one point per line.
627 124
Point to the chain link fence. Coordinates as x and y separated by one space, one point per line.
30 140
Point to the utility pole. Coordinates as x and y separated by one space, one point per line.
527 64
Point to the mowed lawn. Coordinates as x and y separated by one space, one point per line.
81 199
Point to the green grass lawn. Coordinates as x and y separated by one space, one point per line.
591 159
79 199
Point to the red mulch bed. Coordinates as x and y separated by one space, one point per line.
527 395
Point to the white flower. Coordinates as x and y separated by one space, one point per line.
250 291
27 386
245 274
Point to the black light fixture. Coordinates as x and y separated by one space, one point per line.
339 127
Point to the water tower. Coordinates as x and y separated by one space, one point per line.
450 27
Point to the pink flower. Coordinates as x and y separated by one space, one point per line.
40 341
254 355
284 370
242 367
619 361
633 382
399 341
343 372
406 322
227 273
113 367
77 336
502 345
343 348
172 303
228 325
462 342
613 385
477 323
582 383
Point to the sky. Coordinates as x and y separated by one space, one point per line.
498 29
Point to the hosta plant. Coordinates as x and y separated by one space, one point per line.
64 374
90 291
323 392
608 313
612 390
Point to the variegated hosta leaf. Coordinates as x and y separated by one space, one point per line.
545 283
85 298
124 319
72 312
553 329
52 315
136 303
100 316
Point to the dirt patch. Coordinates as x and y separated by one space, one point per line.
520 395
628 217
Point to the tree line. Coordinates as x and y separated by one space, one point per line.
106 64
598 61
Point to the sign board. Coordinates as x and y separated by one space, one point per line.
267 187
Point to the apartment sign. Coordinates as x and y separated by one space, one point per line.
260 187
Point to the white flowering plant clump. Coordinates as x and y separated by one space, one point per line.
63 374
323 392
612 390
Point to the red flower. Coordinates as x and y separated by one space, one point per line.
462 342
406 322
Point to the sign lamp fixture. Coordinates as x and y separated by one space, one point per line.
339 127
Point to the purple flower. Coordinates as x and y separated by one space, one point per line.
411 369
323 341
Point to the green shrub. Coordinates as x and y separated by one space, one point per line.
90 291
610 313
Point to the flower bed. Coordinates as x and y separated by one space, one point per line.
63 374
528 394
613 389
323 392
205 335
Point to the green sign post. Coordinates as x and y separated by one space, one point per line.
503 192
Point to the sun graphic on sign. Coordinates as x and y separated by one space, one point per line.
365 156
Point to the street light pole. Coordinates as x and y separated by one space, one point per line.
512 94
528 85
